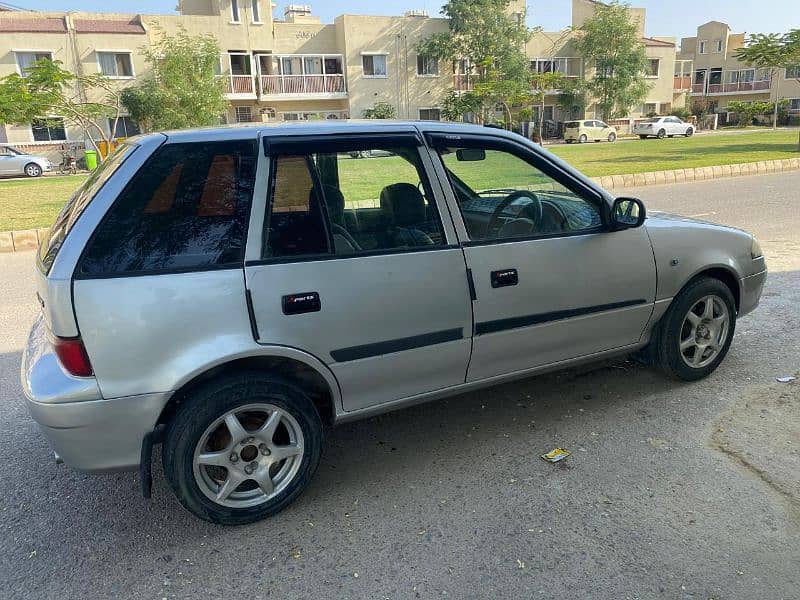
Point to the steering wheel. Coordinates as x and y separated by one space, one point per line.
530 212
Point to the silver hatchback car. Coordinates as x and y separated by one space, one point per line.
231 293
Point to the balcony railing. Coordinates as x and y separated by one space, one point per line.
238 84
682 83
272 85
462 83
750 84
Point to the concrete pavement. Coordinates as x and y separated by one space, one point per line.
450 499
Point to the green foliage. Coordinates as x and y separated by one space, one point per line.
746 112
681 113
455 105
49 89
572 99
182 89
484 35
610 44
381 110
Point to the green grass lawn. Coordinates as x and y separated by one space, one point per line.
30 203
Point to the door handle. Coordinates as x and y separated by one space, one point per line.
504 277
295 304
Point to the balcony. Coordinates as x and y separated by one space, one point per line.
731 82
682 83
238 86
236 73
298 76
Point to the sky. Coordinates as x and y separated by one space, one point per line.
677 18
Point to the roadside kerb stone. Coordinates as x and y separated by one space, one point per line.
6 242
25 240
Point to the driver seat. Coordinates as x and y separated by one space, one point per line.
404 206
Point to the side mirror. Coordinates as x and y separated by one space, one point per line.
627 213
470 154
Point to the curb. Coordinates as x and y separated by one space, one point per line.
611 182
28 239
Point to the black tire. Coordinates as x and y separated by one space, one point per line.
33 170
206 404
612 137
689 132
642 137
670 136
667 341
583 139
661 134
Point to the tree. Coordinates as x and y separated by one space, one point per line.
182 89
541 84
380 110
48 89
485 36
610 44
770 52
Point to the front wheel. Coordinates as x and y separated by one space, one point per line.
612 137
242 448
33 170
698 330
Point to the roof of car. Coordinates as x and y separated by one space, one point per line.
252 131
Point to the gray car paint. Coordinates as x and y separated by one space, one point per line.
143 347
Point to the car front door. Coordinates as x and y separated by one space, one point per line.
8 162
354 261
551 281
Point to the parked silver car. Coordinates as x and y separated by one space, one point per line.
662 127
231 293
17 162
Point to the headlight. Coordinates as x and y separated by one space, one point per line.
755 250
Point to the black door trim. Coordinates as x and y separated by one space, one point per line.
557 315
397 345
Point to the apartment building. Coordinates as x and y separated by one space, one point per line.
717 78
295 67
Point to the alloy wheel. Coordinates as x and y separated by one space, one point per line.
248 455
704 331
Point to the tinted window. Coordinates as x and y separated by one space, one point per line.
503 196
351 202
186 208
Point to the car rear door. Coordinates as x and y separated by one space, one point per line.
551 282
355 261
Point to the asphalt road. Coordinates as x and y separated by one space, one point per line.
450 499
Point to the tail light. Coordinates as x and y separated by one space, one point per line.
72 355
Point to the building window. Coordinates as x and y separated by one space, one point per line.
427 66
115 64
703 47
244 114
794 104
25 60
374 65
792 72
653 67
234 11
126 127
718 46
48 130
256 10
430 114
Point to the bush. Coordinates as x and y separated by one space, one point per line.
381 110
681 113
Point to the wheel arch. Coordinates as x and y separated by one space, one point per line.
723 274
305 370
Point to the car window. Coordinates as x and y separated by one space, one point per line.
187 208
350 202
503 196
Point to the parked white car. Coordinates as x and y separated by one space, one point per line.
17 162
662 127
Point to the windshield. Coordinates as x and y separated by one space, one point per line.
50 244
12 150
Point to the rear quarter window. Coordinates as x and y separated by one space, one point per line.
187 208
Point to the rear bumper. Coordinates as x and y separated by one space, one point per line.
752 286
87 431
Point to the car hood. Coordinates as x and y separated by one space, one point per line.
665 219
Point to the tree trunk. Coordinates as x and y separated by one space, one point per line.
775 112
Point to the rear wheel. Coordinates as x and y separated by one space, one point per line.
662 134
242 448
642 137
583 139
33 170
612 137
698 329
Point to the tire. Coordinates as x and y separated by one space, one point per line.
33 170
612 137
253 398
661 134
689 132
677 327
642 137
583 139
670 136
